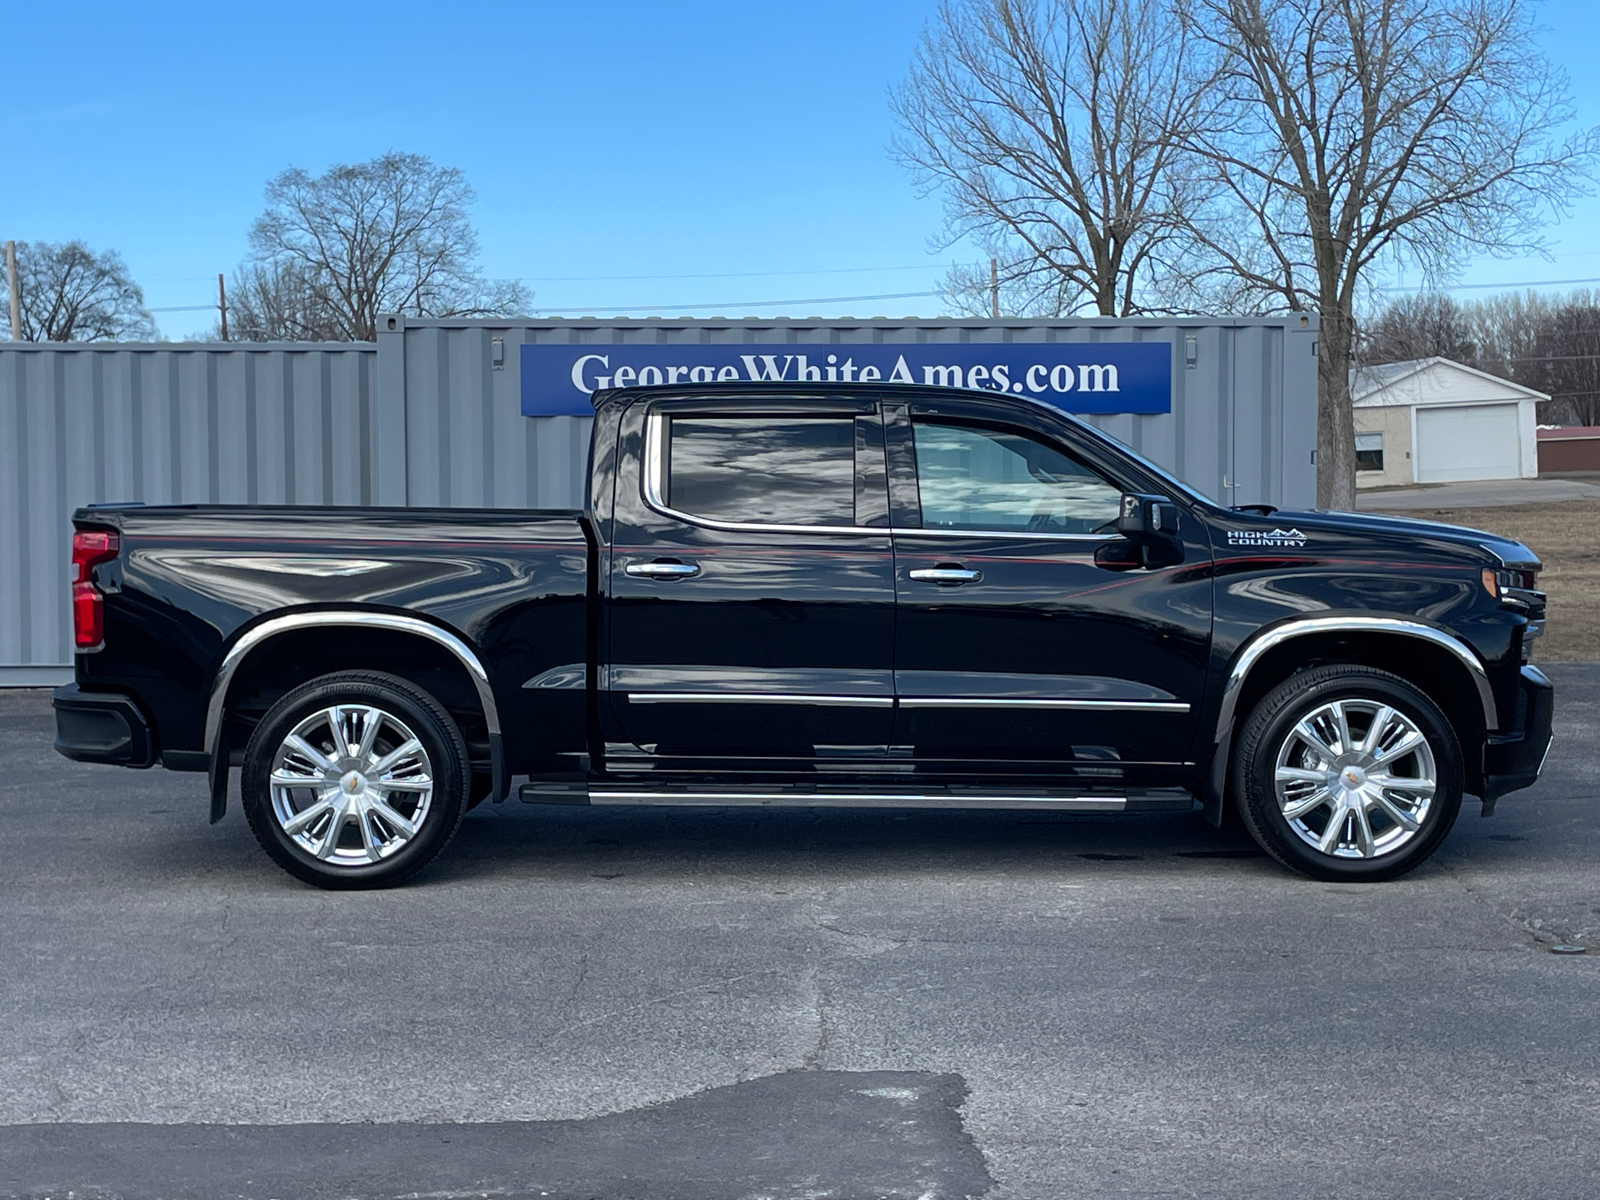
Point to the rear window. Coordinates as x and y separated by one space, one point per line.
763 470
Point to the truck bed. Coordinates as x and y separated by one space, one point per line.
189 578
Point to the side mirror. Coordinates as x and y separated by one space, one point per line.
1150 526
1145 519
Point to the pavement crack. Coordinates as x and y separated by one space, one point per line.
59 1100
819 999
866 944
1546 932
662 999
577 984
1508 912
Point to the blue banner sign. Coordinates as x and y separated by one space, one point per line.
1077 377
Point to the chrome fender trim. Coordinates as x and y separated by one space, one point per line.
1216 784
1277 635
254 637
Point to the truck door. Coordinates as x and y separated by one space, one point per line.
1015 649
751 586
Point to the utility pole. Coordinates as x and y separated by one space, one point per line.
15 291
994 288
222 304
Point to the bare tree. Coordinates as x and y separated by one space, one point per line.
1505 329
1564 361
1570 372
334 251
72 294
1053 128
1347 133
1421 326
278 301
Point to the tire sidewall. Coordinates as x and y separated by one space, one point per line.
1294 699
431 725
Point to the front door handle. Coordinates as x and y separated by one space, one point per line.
945 576
662 570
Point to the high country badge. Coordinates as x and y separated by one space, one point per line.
1261 537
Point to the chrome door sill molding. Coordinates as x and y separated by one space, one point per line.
760 698
1174 706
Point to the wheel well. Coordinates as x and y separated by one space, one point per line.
296 656
1432 669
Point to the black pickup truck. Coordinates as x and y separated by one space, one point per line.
820 595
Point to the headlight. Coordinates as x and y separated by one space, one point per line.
1503 584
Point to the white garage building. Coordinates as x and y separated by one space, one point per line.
1436 421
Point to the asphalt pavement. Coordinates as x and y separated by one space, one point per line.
726 1003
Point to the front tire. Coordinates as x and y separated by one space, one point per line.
1348 773
355 780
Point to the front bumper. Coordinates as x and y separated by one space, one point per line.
102 727
1515 756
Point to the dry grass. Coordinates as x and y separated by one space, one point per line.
1566 537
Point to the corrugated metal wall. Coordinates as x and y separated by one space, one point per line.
1243 412
467 442
428 417
167 425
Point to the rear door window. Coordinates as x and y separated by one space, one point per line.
763 470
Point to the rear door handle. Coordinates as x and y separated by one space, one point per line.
662 570
946 576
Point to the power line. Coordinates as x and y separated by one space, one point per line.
1553 358
1487 286
627 308
732 274
621 278
590 310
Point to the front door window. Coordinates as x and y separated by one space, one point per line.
973 478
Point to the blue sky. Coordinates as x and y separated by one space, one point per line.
619 150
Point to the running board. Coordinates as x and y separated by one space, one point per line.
1169 800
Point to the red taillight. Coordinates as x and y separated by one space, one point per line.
88 616
89 547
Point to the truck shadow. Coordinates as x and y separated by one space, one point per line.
615 843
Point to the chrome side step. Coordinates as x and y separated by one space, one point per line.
929 799
954 798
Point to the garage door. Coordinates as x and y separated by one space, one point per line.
1473 441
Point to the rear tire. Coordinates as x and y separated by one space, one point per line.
355 780
1348 773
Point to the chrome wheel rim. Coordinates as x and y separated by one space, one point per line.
351 785
1356 779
